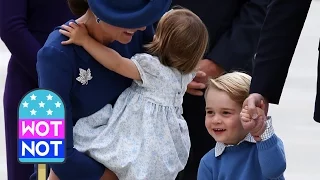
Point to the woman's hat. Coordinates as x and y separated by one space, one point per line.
129 13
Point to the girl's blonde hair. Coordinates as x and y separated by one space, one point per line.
235 84
180 40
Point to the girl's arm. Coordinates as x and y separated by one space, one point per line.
108 57
271 154
111 59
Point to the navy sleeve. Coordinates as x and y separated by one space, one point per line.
16 36
236 47
279 37
55 73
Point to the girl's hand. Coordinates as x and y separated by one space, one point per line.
77 34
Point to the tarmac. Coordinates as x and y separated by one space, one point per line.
292 118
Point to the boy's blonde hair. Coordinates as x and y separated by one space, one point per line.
180 40
235 84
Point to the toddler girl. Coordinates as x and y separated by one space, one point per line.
144 135
237 154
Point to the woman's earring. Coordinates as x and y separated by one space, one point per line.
98 20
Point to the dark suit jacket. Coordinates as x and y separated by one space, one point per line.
234 27
278 40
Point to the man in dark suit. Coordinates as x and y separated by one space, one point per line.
279 37
234 28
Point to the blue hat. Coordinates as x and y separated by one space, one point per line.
129 13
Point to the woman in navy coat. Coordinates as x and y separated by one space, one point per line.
123 25
24 27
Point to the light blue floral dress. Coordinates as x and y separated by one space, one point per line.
144 136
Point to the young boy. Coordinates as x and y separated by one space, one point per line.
238 155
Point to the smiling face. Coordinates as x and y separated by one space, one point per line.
122 35
106 33
223 117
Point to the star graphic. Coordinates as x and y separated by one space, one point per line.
33 112
49 112
25 104
58 104
49 97
41 104
33 97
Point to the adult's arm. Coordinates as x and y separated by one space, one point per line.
55 72
278 39
236 47
16 36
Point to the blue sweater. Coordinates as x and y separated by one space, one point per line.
246 161
58 67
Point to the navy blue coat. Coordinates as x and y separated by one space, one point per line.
58 68
279 38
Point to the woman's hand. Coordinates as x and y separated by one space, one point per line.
109 175
52 176
78 34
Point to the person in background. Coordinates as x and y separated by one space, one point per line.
24 27
234 28
279 37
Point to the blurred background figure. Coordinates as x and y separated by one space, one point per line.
24 27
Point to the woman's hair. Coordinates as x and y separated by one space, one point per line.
78 7
180 40
235 84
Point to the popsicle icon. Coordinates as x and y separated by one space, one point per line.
41 131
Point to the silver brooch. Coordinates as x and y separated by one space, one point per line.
84 76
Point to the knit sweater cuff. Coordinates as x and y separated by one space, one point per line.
267 144
269 130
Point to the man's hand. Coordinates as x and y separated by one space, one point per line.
253 101
194 87
210 68
207 69
257 126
